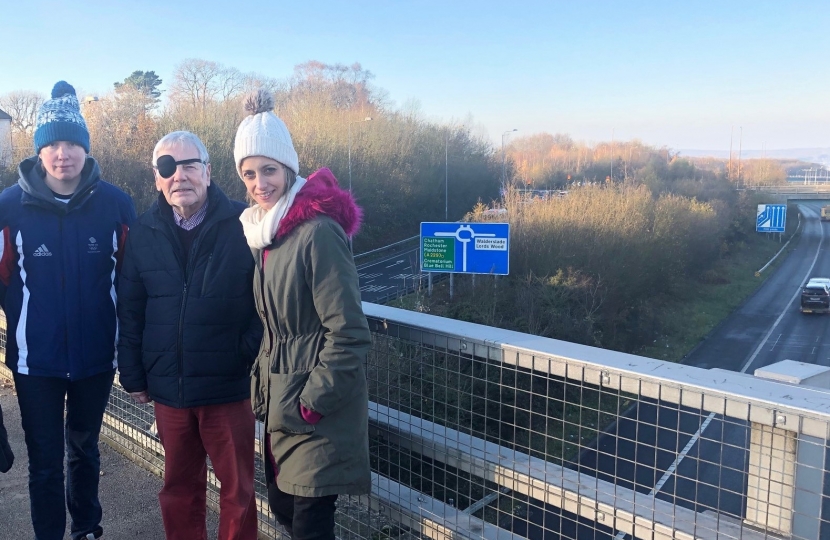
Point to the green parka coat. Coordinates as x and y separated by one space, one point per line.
314 346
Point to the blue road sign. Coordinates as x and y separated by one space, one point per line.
771 218
472 248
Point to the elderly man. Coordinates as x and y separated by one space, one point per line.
188 336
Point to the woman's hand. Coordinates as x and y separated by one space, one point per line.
312 417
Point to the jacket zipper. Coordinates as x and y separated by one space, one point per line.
180 340
63 291
188 270
64 208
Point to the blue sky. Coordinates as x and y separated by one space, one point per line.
680 74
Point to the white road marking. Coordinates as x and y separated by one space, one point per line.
787 307
682 454
409 276
376 288
673 467
408 254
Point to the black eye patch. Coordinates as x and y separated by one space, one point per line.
166 164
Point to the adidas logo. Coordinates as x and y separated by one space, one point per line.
42 251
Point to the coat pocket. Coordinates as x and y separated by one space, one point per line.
206 278
284 403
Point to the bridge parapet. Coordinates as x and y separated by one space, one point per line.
478 432
793 192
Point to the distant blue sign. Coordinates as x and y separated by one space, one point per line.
472 248
771 218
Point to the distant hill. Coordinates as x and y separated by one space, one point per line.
809 155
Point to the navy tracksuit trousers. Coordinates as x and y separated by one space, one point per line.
49 434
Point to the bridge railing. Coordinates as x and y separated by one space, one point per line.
537 437
477 432
791 188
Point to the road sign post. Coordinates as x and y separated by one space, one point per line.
471 248
771 218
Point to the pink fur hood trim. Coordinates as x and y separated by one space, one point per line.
321 195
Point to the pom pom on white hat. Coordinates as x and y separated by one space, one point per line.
262 133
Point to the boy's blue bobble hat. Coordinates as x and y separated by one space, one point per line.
59 119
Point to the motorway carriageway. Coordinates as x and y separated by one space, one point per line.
698 459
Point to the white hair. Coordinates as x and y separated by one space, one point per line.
180 138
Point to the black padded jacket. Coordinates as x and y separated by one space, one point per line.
188 334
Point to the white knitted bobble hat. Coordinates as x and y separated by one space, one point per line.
262 133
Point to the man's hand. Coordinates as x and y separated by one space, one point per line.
141 397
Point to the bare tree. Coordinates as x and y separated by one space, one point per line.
197 83
22 106
193 82
230 83
254 81
346 87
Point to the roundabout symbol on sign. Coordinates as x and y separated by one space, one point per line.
464 240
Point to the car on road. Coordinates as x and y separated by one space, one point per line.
825 213
815 296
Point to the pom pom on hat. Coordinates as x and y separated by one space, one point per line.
262 133
59 119
259 102
63 88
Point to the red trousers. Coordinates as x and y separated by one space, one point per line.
225 433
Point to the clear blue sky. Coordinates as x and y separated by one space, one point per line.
671 73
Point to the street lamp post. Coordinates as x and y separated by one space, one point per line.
447 176
503 166
612 155
447 193
368 118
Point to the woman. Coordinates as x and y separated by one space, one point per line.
309 386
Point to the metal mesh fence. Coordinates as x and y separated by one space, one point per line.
511 435
129 428
477 432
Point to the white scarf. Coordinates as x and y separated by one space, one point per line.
260 226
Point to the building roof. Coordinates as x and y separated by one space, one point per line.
4 115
